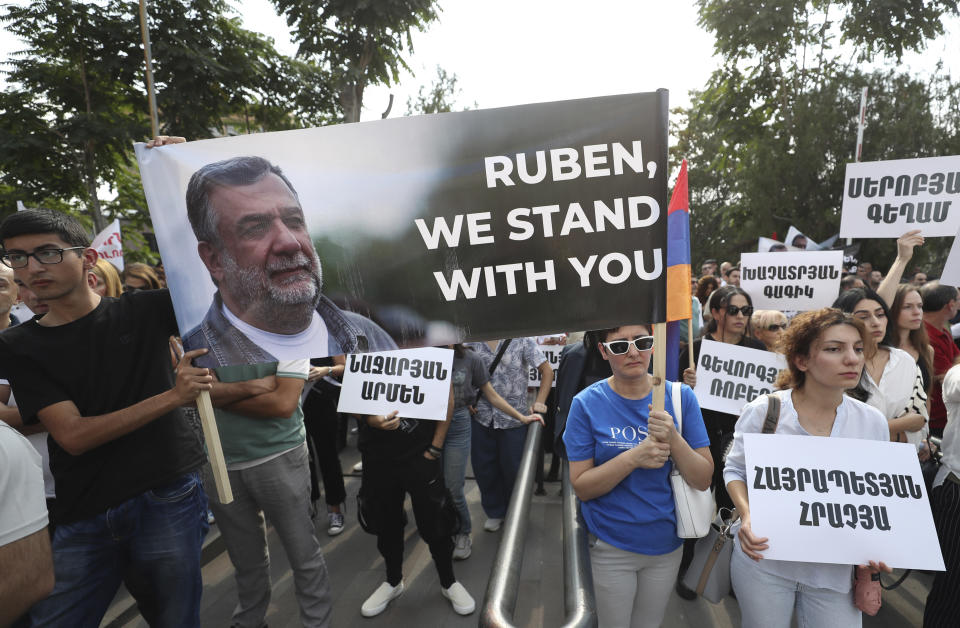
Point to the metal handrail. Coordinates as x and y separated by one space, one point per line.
578 596
500 600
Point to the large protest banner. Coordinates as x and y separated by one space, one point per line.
799 281
729 376
486 224
885 199
840 500
415 382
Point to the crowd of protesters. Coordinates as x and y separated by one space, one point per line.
113 485
878 365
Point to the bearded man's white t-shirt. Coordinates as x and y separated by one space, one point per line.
312 342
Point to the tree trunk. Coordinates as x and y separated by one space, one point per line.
351 95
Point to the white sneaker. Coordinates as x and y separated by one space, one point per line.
378 600
461 601
335 523
493 524
462 547
357 468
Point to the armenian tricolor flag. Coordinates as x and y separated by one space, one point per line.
678 269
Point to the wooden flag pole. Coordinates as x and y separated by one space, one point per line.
659 364
211 435
690 342
214 449
148 60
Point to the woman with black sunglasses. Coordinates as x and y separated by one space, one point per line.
621 453
730 309
730 312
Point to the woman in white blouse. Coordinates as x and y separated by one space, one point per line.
891 379
825 352
943 603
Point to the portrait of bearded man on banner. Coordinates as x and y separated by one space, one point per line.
253 239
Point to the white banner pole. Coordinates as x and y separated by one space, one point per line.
861 121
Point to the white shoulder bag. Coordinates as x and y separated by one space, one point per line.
695 509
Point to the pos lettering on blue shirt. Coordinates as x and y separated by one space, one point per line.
638 514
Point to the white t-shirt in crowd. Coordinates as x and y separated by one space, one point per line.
893 394
855 419
312 342
39 442
24 509
950 445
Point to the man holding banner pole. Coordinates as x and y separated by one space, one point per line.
130 505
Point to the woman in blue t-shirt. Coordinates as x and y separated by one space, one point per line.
620 451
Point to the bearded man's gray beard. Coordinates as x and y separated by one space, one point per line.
251 287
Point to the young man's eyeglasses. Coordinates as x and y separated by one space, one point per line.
776 326
19 259
746 310
619 347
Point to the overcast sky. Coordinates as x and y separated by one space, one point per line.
510 52
506 52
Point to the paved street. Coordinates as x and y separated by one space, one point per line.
356 570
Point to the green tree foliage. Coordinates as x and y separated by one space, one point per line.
75 100
209 71
769 136
440 97
66 120
360 42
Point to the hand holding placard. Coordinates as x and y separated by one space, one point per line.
649 454
660 426
191 380
752 544
384 422
211 435
906 244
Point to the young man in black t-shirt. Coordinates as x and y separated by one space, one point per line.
96 372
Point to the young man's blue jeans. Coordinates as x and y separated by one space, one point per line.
456 450
496 456
151 543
